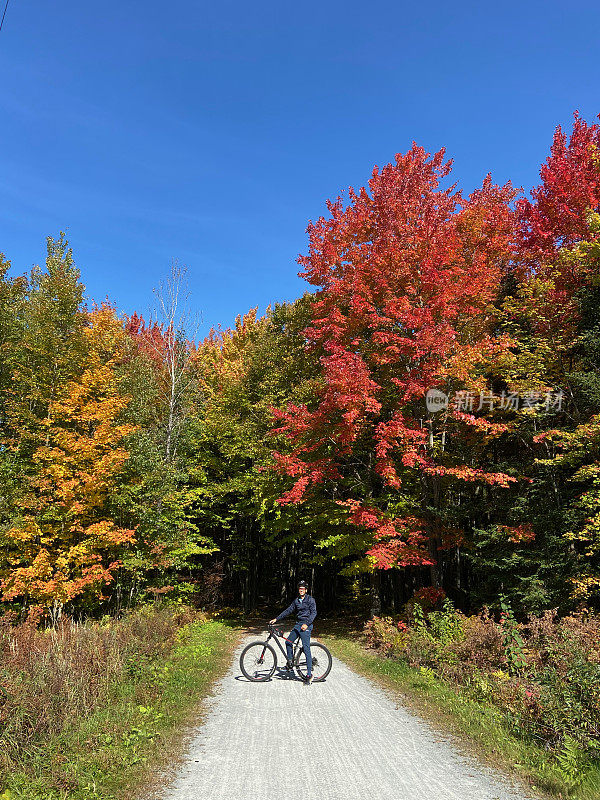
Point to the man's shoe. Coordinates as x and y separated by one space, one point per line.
308 680
289 666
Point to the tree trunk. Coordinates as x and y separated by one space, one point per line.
375 593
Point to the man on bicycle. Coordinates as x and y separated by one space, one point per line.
306 610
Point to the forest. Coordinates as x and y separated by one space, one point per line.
425 418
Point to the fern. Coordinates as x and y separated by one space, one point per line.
571 762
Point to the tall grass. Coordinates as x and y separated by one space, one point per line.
54 677
82 704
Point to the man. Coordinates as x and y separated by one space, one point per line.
306 610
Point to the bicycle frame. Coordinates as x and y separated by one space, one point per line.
276 635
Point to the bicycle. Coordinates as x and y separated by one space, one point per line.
258 660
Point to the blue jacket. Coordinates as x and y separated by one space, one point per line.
306 611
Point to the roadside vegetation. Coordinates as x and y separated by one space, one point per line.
526 695
93 710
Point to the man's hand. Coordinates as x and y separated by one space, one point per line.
273 621
303 627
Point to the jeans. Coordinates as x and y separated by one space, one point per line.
305 638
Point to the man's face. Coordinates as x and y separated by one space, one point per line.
301 591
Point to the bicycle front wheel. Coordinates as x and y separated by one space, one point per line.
321 662
258 661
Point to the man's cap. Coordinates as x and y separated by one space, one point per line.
303 583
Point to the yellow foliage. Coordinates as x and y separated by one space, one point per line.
65 544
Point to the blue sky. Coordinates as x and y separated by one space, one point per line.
213 133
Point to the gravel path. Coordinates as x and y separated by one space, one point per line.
342 739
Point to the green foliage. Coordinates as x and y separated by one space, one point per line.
445 626
514 646
572 762
441 628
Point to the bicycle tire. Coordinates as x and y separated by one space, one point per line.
246 663
320 656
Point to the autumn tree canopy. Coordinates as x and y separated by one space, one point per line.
137 459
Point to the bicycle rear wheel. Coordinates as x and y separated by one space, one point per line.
258 661
321 662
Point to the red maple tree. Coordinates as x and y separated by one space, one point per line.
558 213
406 274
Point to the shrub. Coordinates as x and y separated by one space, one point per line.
481 644
382 633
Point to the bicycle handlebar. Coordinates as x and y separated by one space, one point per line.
278 631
